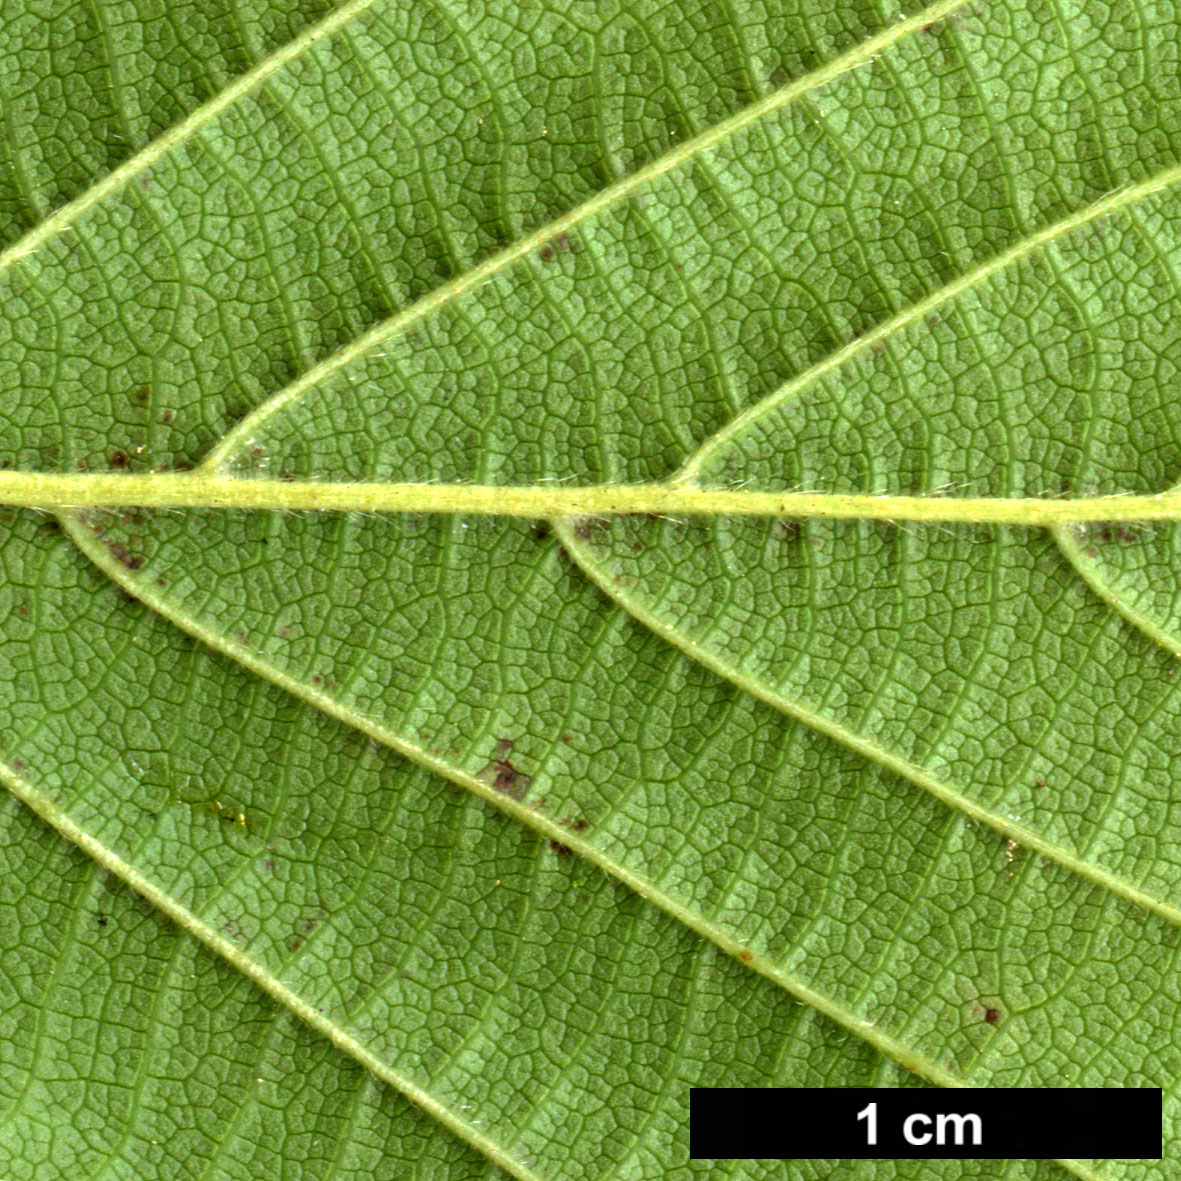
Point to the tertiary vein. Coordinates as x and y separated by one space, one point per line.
583 845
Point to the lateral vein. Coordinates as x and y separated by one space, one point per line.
690 917
946 793
341 1037
63 218
1110 203
607 197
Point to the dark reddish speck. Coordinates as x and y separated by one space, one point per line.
124 556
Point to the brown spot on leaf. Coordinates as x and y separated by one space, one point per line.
504 777
745 956
992 1016
508 779
591 529
141 394
561 244
560 850
124 556
1108 531
119 459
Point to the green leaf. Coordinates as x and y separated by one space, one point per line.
462 844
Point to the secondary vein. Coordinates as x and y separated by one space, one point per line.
691 917
341 1037
605 199
1108 204
63 218
946 793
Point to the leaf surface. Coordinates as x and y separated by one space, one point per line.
905 776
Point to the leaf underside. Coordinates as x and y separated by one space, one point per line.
433 845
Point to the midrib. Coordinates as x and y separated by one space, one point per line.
202 490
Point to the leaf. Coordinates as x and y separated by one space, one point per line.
904 775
